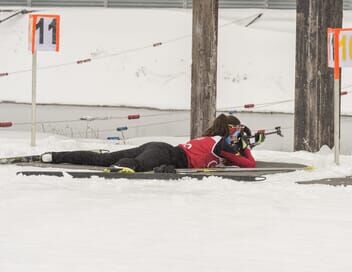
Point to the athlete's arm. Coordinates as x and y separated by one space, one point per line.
233 156
245 160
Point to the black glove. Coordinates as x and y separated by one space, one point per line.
243 142
165 169
259 137
247 131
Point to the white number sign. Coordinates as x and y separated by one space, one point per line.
344 45
44 32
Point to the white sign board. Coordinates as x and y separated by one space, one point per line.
344 44
44 32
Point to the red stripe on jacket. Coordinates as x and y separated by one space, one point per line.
245 160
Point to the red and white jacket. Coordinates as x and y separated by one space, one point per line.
206 152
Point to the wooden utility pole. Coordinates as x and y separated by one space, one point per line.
314 90
204 65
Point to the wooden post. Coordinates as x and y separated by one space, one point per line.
314 90
204 65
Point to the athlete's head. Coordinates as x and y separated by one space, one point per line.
222 125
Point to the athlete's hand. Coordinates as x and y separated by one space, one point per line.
259 137
247 131
244 142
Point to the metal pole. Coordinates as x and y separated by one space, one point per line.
337 120
337 96
266 4
34 95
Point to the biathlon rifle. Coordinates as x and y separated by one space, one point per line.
277 131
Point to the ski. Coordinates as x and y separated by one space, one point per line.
243 170
34 158
340 181
66 166
264 168
142 175
20 159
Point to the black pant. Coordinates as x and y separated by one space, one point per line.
142 158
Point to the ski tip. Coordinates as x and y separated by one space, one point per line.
260 178
309 168
118 169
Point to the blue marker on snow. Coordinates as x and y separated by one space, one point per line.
113 138
121 128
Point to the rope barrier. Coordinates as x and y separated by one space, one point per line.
138 116
91 118
123 52
83 61
156 44
119 129
262 105
149 125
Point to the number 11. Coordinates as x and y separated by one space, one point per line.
51 26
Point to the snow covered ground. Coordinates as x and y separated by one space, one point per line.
61 224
